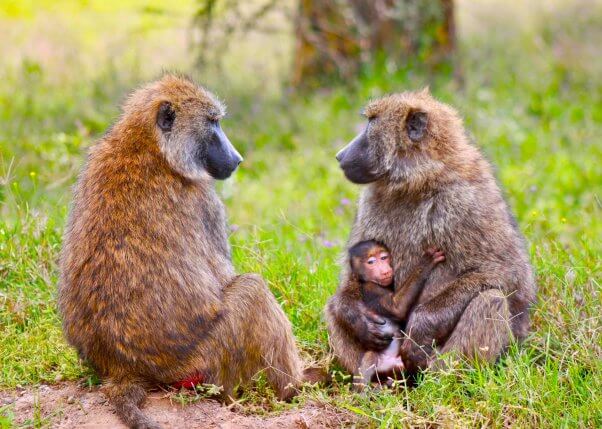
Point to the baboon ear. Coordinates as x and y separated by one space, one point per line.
416 125
166 116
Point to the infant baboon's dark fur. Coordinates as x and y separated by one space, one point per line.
428 186
147 292
388 307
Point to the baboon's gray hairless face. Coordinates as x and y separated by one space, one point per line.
358 161
198 144
370 155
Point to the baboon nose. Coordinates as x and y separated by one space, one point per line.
238 158
339 156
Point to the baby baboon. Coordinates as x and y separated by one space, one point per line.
147 292
429 186
371 267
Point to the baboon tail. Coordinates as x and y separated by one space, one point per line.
127 397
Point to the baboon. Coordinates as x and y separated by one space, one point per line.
371 267
147 292
428 186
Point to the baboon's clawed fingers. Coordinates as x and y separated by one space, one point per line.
431 250
438 257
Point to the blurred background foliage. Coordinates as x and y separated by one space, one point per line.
526 76
334 39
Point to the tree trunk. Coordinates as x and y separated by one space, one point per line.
335 38
326 43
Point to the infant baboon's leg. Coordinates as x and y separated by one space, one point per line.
483 331
264 334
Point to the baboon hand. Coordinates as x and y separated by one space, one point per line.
414 356
434 256
373 336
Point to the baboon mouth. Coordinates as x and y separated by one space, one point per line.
359 175
387 279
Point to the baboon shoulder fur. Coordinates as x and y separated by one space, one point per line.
147 292
429 186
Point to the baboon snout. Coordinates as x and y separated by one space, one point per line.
238 159
357 161
222 158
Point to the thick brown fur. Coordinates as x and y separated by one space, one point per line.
148 293
434 189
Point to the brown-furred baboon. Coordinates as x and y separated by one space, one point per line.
427 185
147 292
370 264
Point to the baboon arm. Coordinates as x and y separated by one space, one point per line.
379 300
432 321
347 309
397 304
406 295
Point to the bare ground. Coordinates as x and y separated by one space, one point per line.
67 405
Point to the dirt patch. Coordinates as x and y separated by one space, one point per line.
69 406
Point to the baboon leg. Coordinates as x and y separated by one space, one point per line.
483 331
347 350
264 336
284 369
127 396
363 375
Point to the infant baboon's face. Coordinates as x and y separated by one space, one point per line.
376 266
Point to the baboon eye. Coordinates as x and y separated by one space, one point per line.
371 261
166 116
416 125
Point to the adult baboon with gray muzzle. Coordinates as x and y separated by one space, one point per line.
148 293
428 186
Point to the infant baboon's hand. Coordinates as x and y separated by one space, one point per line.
375 336
434 255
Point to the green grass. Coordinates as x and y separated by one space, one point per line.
531 103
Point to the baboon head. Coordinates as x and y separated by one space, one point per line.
407 135
371 262
185 120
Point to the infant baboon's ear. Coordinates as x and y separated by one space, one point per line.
166 116
416 123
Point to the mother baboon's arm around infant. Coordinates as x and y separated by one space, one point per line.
147 292
428 186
